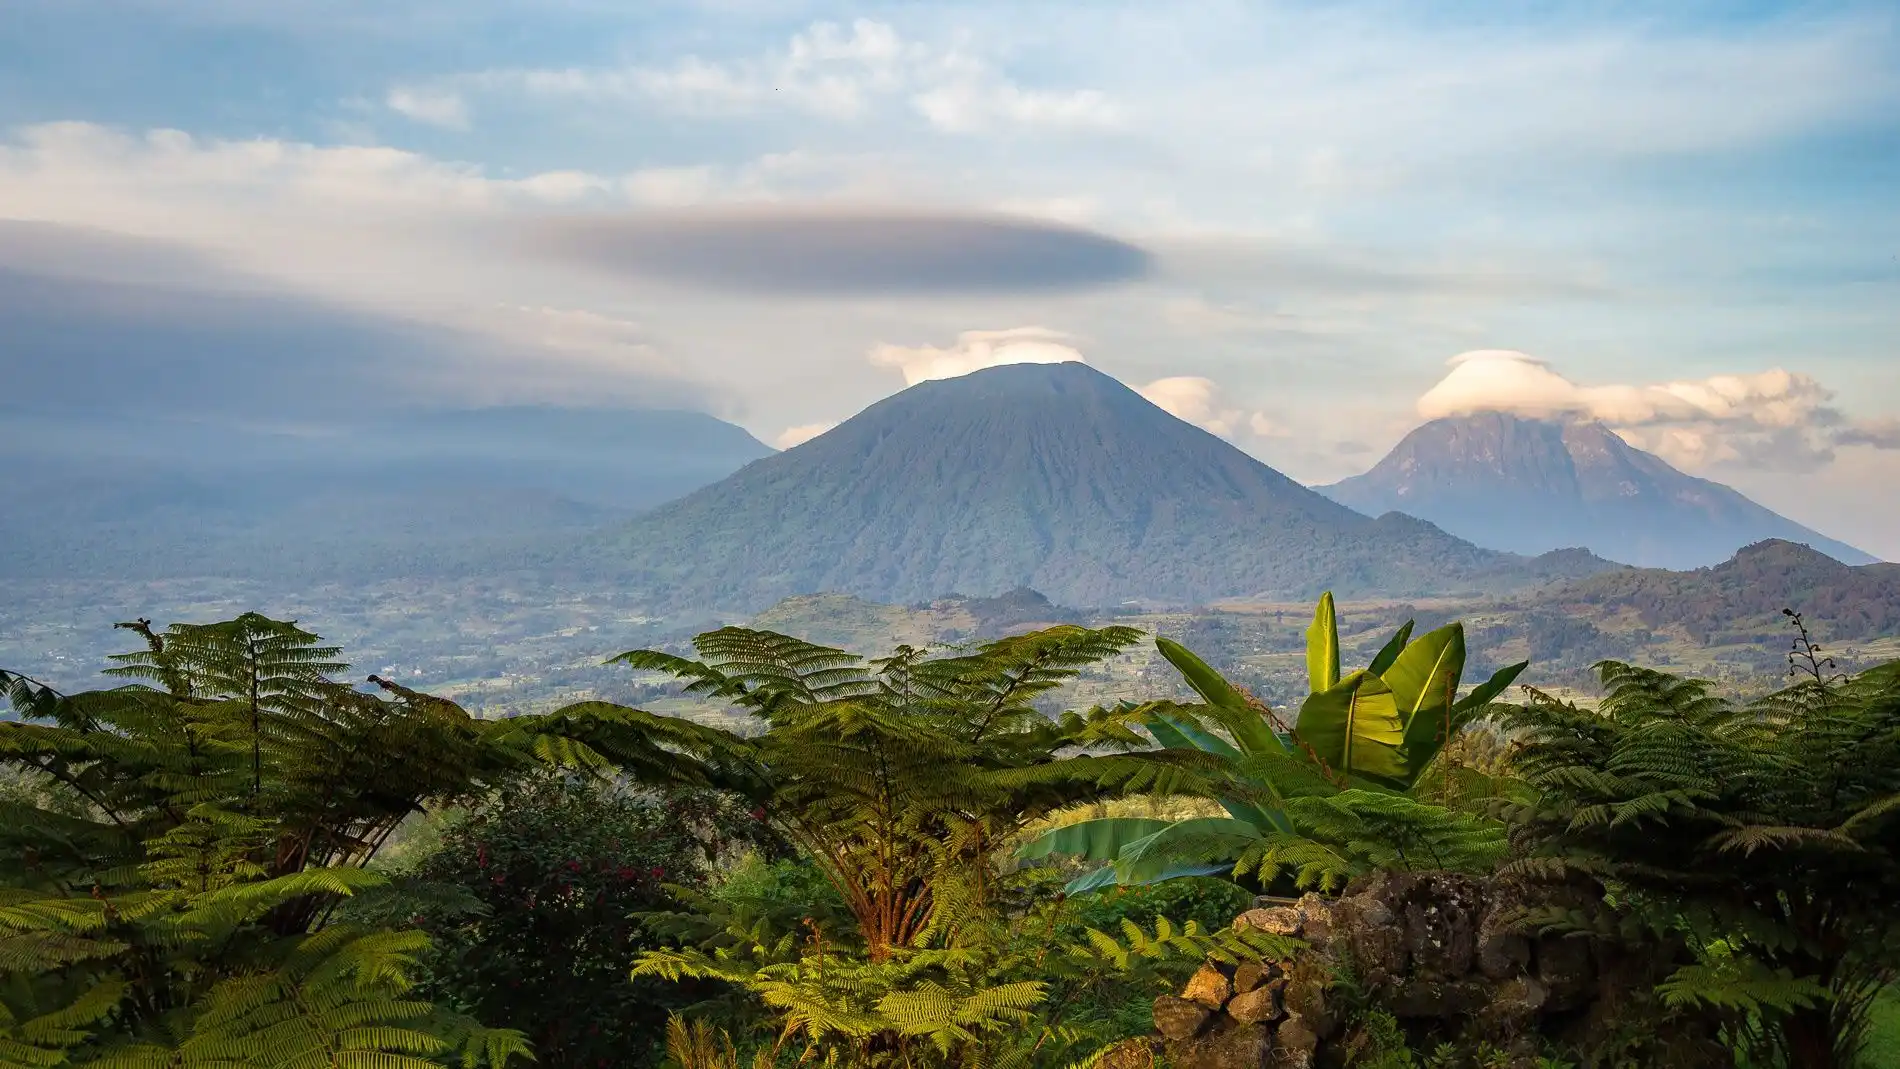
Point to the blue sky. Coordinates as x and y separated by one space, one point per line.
1336 201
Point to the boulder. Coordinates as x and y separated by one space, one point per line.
1447 953
1251 974
1180 1019
1255 1007
1245 1046
1209 987
1279 920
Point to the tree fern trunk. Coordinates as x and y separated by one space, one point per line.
1811 1040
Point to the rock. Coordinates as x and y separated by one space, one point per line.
1179 1018
1252 974
1304 995
1442 999
1514 1003
1135 1053
1247 1046
1209 987
1563 964
1316 917
1364 931
1279 920
1257 1006
1501 951
1441 926
1295 1043
1442 951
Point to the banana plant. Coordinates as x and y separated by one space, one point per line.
1378 729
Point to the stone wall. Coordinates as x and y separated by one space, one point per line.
1442 952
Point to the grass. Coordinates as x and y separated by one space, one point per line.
1883 1038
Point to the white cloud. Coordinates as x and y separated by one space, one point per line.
1190 398
1509 381
831 72
1193 400
1202 402
800 434
975 350
436 107
975 99
1767 419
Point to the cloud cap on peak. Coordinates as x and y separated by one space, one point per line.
1504 380
1190 398
1772 418
975 350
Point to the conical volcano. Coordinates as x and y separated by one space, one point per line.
1050 476
1532 485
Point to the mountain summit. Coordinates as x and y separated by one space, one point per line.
1529 486
1051 476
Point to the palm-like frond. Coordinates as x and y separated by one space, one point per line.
1765 825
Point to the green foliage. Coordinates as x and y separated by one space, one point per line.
1763 834
1882 1045
901 778
1317 803
1027 986
173 856
902 781
529 901
1385 723
1376 1040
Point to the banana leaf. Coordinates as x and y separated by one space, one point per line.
1393 647
1426 674
1101 839
1105 877
1356 728
1230 706
1194 842
1487 692
1322 646
1176 732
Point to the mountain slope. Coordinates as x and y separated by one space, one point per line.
1052 476
1528 486
1745 595
430 493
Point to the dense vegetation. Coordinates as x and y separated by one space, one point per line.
235 858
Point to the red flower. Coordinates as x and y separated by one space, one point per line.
657 872
759 813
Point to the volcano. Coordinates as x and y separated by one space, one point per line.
1530 486
1054 477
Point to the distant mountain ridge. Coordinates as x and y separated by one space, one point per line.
1529 486
430 492
1051 476
1747 593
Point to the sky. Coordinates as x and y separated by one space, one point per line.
1304 227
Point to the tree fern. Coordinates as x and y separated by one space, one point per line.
1762 832
195 828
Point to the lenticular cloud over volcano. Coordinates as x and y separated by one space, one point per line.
1502 380
810 251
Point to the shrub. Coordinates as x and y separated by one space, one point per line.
531 901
